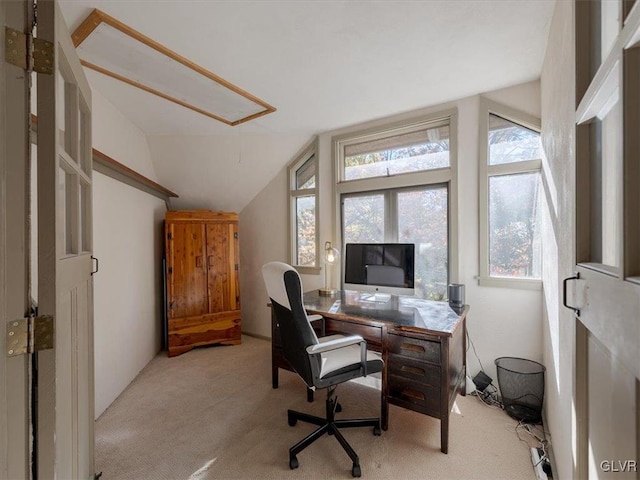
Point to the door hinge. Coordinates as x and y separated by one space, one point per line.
235 234
28 52
29 335
170 236
236 266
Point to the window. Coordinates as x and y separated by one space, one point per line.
510 246
396 185
303 207
405 150
417 215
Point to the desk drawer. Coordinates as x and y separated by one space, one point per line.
415 370
415 348
414 396
373 335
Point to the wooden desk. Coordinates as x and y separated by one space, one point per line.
422 344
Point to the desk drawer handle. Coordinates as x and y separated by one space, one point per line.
414 370
411 347
407 392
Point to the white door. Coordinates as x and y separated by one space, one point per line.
65 286
607 294
63 424
14 157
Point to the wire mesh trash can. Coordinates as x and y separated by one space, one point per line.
521 384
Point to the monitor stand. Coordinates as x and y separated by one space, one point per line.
375 297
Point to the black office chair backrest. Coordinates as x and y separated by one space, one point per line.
284 288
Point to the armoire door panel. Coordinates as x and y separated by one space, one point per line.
218 271
235 254
186 270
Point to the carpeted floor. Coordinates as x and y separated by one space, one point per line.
212 414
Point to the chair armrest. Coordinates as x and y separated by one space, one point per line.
341 343
315 318
334 344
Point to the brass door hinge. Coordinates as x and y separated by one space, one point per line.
27 52
29 335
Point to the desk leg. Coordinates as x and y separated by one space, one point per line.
384 393
444 433
445 376
384 417
274 375
464 357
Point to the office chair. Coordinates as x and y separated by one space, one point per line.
321 362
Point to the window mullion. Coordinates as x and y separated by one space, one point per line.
391 216
304 193
515 167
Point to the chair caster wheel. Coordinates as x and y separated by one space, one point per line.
338 408
291 420
355 471
293 463
377 431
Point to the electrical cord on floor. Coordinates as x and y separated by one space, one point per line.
489 396
469 341
541 443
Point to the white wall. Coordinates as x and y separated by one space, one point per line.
263 237
502 322
558 140
211 166
127 240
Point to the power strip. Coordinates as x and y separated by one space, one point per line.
537 464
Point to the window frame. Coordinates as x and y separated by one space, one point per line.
303 156
390 199
485 172
440 176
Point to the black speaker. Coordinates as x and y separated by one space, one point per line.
455 292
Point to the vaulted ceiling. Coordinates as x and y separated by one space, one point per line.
323 64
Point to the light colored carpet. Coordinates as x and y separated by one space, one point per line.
212 414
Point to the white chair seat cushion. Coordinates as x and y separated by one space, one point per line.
342 357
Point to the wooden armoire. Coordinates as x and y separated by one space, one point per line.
203 289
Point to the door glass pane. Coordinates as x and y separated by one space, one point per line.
85 221
605 21
510 142
627 5
65 104
66 191
306 174
610 13
423 220
403 153
363 219
514 230
306 230
85 139
606 176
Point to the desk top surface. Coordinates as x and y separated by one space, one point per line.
405 313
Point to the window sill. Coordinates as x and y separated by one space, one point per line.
515 283
308 270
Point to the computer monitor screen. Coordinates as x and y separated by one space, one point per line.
380 267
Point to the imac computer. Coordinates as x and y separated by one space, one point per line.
379 269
